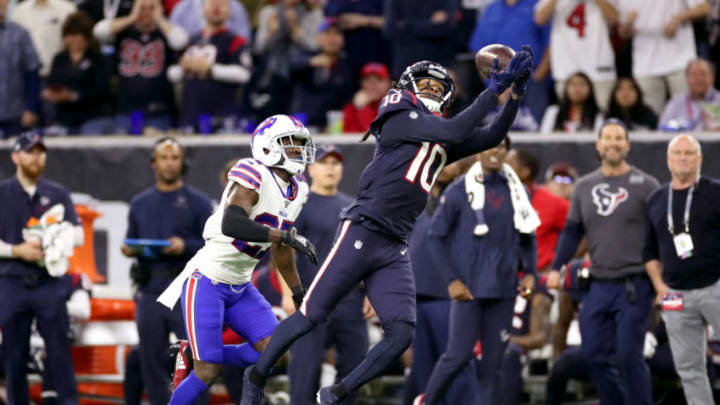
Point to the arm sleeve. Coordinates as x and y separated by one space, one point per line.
400 126
230 73
487 137
568 243
529 253
651 249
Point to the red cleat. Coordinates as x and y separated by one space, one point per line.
183 361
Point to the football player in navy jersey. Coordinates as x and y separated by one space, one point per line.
413 143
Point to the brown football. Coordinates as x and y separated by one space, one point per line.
485 56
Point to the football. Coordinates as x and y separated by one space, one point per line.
485 56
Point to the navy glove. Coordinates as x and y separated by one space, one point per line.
520 86
501 80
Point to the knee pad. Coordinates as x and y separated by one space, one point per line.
399 335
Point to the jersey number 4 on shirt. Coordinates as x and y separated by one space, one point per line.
576 19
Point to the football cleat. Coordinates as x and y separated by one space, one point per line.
183 361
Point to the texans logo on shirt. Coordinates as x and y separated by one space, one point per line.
606 200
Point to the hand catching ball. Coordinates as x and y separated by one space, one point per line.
484 58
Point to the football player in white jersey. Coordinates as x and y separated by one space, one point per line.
263 197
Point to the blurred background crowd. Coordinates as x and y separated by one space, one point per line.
97 67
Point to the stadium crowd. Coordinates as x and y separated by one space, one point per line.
221 66
192 66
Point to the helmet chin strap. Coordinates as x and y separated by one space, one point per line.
432 105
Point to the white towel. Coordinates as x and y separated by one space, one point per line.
525 218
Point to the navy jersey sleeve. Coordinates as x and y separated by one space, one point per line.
419 125
203 210
442 223
651 250
132 229
487 137
70 213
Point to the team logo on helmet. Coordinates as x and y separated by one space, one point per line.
263 127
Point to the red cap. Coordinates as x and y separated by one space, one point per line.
374 68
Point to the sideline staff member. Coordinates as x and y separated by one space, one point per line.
682 255
27 289
175 212
608 205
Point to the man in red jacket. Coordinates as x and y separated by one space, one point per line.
375 83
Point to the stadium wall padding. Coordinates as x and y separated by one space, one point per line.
116 168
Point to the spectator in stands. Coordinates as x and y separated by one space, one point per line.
420 30
78 82
190 16
696 109
681 257
627 105
551 209
485 241
18 77
530 330
524 120
43 19
323 80
362 23
145 42
175 213
433 302
608 205
510 22
362 110
212 69
663 44
578 110
560 179
579 42
31 292
106 10
283 27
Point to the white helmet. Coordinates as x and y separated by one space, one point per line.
278 133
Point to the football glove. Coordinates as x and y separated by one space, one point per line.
500 80
520 86
298 294
300 243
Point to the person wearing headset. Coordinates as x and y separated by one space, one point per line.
173 214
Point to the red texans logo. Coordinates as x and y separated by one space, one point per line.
607 201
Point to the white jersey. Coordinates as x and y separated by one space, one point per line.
232 261
654 54
579 40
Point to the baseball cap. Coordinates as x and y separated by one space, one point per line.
324 150
328 23
27 141
374 68
561 172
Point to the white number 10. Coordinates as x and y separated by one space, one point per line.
422 163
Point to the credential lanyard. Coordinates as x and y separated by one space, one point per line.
686 215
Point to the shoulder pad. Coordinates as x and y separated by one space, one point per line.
248 173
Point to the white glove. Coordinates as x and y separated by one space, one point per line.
650 345
58 245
